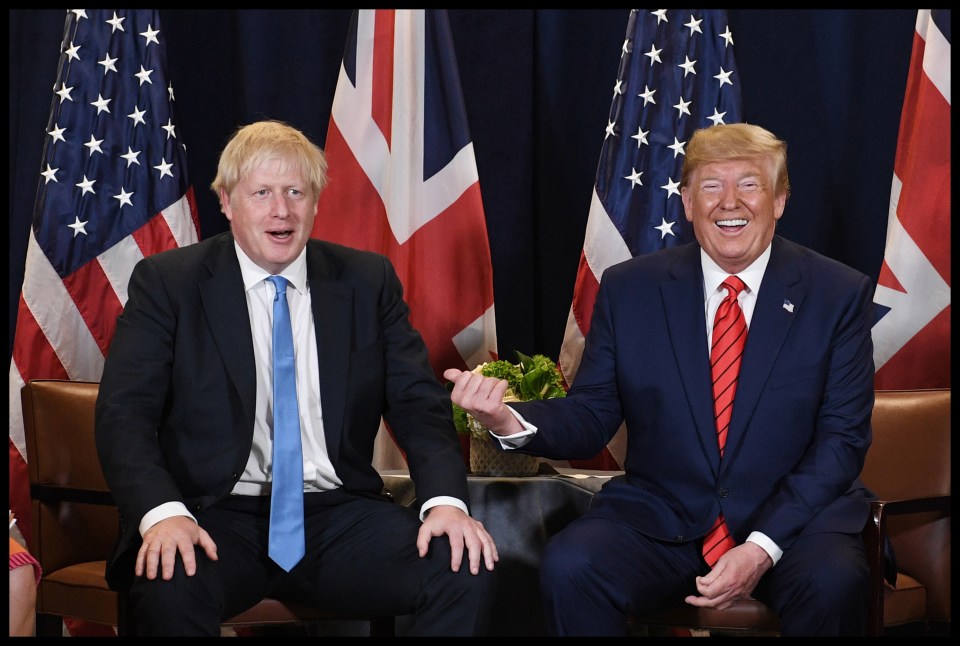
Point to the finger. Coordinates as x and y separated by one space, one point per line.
208 545
152 560
140 565
189 562
499 389
490 553
694 600
456 552
423 540
168 558
474 548
488 548
451 374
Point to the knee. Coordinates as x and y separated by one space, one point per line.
840 586
562 564
159 604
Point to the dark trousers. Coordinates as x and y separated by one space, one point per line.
361 560
596 573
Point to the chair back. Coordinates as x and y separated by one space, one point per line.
910 459
75 523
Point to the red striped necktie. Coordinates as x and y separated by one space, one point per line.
729 337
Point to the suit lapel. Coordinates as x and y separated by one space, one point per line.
225 307
781 295
332 304
684 306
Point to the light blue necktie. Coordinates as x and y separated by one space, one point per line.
286 502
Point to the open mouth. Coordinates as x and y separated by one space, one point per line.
281 235
732 224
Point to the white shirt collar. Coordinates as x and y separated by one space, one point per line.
752 276
253 274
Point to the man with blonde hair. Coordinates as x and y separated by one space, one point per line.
194 403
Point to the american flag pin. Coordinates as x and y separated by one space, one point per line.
787 305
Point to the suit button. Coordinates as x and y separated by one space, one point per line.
235 476
722 492
678 538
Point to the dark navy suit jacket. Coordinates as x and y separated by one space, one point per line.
801 418
175 412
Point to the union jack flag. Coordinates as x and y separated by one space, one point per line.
404 181
911 339
677 74
112 189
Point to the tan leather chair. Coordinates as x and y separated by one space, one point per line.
76 523
908 468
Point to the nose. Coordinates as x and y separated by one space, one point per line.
729 199
280 209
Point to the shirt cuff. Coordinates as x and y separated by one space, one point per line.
442 500
162 512
768 545
516 440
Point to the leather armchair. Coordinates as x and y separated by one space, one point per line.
76 523
908 468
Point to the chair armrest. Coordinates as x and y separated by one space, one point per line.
885 508
874 539
48 493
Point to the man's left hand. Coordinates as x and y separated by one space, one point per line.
464 532
733 578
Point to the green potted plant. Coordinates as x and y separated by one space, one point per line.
533 377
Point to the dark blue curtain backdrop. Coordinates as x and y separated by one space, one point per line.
537 86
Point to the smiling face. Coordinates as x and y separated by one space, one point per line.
271 211
734 207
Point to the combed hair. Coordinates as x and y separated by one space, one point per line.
725 142
254 144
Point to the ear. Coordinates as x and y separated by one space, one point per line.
225 203
779 204
687 200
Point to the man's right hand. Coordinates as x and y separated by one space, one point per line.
162 542
482 397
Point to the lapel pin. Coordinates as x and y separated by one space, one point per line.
787 305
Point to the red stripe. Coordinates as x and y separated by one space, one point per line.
383 39
33 355
96 300
920 362
154 236
194 211
19 493
584 295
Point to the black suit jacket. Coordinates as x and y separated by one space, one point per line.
175 413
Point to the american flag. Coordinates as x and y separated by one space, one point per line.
677 74
404 181
912 337
112 188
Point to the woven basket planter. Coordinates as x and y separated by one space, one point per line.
487 460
